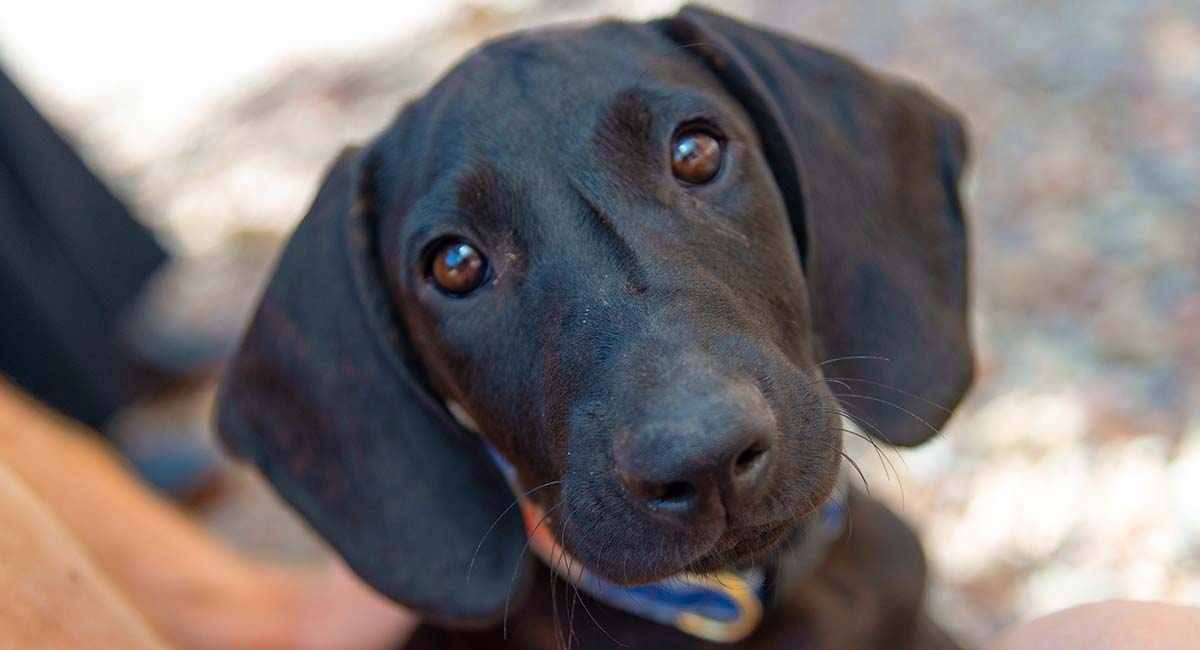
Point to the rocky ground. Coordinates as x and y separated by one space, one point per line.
1072 472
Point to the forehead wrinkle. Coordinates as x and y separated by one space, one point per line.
628 114
524 65
614 240
533 77
620 156
488 201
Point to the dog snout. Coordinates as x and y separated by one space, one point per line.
700 458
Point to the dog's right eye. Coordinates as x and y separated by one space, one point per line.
458 268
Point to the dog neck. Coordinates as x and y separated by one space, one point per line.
721 607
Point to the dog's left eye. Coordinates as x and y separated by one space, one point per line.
457 267
695 155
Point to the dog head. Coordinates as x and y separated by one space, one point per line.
655 263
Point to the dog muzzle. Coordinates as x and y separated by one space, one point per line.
722 607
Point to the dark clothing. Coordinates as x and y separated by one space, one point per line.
71 257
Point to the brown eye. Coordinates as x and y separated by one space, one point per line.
695 156
458 268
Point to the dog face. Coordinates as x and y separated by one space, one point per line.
632 264
631 321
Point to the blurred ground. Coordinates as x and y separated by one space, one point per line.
1070 475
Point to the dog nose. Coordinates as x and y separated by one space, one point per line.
688 467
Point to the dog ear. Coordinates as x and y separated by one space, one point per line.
869 170
323 395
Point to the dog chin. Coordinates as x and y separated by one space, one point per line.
739 547
733 549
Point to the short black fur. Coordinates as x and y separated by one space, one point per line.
634 329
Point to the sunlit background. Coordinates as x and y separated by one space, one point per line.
1071 474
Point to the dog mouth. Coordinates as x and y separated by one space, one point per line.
618 540
737 547
740 546
663 550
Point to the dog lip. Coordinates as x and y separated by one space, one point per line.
738 544
733 547
756 529
750 533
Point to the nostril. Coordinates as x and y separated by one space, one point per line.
749 457
674 495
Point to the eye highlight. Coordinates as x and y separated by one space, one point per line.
457 267
695 155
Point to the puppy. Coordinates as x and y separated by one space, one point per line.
633 278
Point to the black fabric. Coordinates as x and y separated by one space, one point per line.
71 257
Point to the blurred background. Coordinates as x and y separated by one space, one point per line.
1071 474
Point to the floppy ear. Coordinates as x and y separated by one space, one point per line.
869 170
323 396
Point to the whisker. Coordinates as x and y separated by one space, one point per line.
582 600
862 476
513 581
559 641
884 461
846 505
851 357
880 384
571 637
512 505
832 381
857 419
604 630
562 544
861 421
874 445
920 419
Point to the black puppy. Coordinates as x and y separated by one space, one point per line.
656 264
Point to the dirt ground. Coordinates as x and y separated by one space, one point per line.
1070 474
